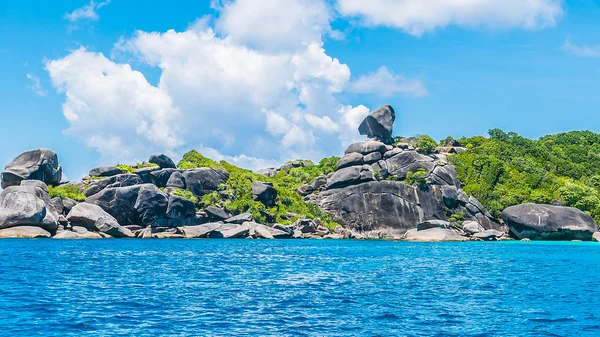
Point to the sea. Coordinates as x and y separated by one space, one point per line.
211 287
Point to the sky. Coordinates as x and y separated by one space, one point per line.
260 82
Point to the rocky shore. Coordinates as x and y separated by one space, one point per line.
381 188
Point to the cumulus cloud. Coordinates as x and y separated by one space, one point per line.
420 16
87 12
36 86
384 83
581 50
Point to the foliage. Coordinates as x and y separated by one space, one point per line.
126 168
186 195
507 169
289 204
418 177
426 144
66 191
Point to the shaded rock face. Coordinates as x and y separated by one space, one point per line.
94 218
119 180
176 180
105 171
264 192
119 202
379 124
179 207
40 164
350 175
27 205
204 180
548 222
162 161
151 204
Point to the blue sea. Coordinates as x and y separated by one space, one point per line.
298 288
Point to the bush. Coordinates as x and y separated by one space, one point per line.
419 177
66 191
426 144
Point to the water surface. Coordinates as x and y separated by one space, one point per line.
298 288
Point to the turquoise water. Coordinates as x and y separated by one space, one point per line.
297 288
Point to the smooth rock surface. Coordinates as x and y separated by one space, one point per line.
24 232
39 164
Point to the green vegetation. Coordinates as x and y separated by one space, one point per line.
419 177
507 169
66 191
426 144
186 195
131 169
289 205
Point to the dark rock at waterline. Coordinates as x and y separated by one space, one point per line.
204 180
548 222
40 164
264 192
94 218
217 213
379 124
105 171
162 161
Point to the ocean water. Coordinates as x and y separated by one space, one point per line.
298 288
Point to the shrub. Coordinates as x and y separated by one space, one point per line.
419 177
66 191
426 144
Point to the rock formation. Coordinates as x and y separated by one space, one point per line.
40 164
379 124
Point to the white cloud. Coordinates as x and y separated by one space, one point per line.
36 86
324 123
420 16
251 163
87 12
384 83
581 50
274 25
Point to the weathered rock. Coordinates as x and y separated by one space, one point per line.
151 204
278 233
305 190
119 202
350 175
119 180
268 172
596 237
240 218
105 171
145 173
57 205
333 236
79 229
145 233
380 170
472 227
176 180
19 206
390 153
433 224
35 183
408 161
24 232
217 213
351 159
434 235
175 223
162 161
444 175
379 124
68 204
233 232
319 182
261 231
287 229
94 218
200 231
366 147
179 207
547 222
68 235
306 226
40 164
160 178
296 163
264 192
488 235
204 180
372 158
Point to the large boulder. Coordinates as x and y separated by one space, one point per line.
176 180
264 192
200 231
94 218
351 159
105 171
40 164
204 180
350 175
145 173
435 234
162 161
24 232
179 207
26 206
379 124
408 161
366 147
120 203
119 180
548 222
151 204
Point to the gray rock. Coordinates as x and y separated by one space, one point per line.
176 180
217 213
379 124
305 190
24 232
68 235
262 231
240 218
94 218
40 164
68 204
434 235
162 161
145 173
305 226
200 231
119 202
231 231
366 147
596 237
105 171
380 169
488 235
19 206
119 180
160 178
472 227
373 157
204 180
287 229
179 207
278 233
151 204
444 175
433 224
319 182
351 159
268 172
548 222
408 161
392 152
264 192
57 205
35 183
350 175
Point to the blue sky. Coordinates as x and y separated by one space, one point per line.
258 82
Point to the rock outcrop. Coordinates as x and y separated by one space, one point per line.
162 160
379 124
40 164
548 222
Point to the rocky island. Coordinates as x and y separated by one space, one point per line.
381 188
